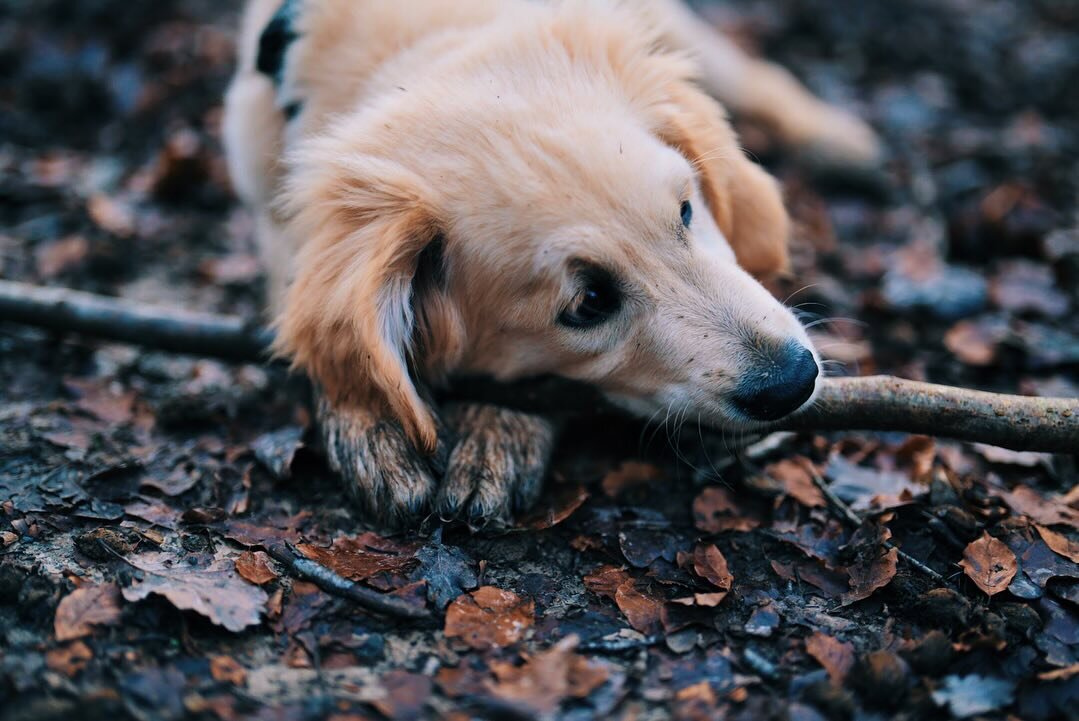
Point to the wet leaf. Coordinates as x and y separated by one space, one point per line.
213 590
989 563
86 607
489 617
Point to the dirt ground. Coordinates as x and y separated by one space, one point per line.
663 575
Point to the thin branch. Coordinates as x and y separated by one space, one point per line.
852 518
330 582
875 403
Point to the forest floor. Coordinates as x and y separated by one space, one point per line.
662 576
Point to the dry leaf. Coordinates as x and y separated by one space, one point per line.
255 567
548 678
837 657
710 564
1047 511
215 591
867 577
362 556
714 511
643 612
1059 542
797 481
989 563
85 607
112 215
489 617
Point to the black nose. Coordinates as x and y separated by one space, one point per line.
779 383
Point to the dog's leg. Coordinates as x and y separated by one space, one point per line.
498 463
382 470
766 92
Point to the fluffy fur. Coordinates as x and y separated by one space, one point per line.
430 178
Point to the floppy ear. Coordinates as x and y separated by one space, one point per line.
348 319
744 199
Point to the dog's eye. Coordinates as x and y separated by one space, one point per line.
598 300
687 213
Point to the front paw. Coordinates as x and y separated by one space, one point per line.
497 466
381 468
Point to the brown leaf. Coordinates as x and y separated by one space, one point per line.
870 575
628 475
973 343
837 657
556 506
85 607
797 481
1059 542
714 511
644 612
255 567
228 669
545 680
489 617
69 660
59 256
641 610
215 591
1046 511
406 695
362 556
989 563
710 564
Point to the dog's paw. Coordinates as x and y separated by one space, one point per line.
496 467
382 470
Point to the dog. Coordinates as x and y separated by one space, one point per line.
515 188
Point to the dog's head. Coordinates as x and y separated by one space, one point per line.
563 202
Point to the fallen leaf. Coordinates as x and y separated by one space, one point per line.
714 511
255 567
215 590
97 605
710 564
1059 542
489 617
556 506
989 563
797 481
361 557
644 612
69 660
112 215
448 571
59 256
1046 511
548 678
867 488
405 696
837 657
277 450
870 575
227 669
973 695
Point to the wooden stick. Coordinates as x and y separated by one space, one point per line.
874 403
337 585
73 311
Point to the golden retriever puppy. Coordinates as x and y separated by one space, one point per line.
513 188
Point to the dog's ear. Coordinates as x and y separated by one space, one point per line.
745 200
350 317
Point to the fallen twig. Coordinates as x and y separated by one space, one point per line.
875 403
332 583
851 517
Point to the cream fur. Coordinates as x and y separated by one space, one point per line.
528 138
